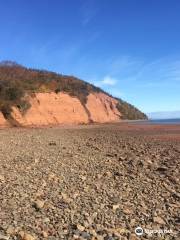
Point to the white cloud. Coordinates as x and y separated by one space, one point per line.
109 84
107 80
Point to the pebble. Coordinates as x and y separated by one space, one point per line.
159 220
66 198
39 204
10 230
115 207
26 236
2 178
80 227
45 234
127 211
3 237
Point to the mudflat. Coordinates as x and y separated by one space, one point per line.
90 182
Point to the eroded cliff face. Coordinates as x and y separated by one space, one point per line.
3 122
54 109
102 108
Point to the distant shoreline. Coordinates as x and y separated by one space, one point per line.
156 121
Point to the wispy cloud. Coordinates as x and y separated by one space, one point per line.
89 11
55 55
161 72
148 82
125 65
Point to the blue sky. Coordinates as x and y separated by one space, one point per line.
130 48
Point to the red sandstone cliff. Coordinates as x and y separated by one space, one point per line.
61 108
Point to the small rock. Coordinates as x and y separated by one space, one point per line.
52 143
45 234
38 204
99 237
110 155
85 235
133 237
2 178
109 174
66 198
115 207
43 183
93 232
75 236
90 220
21 234
75 195
132 221
46 220
158 220
3 237
51 176
99 176
80 227
10 230
36 160
83 178
127 211
26 236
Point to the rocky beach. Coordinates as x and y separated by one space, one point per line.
96 182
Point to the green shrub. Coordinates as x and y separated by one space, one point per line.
129 112
23 106
5 108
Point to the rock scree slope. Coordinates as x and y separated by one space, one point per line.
30 97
